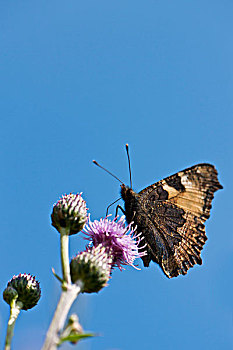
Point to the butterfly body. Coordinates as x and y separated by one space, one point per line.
171 215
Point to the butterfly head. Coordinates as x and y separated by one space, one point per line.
126 192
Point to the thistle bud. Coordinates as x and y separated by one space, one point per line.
70 213
92 267
9 294
27 289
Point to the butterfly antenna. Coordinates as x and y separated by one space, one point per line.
100 166
127 151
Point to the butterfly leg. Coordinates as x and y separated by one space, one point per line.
119 207
111 205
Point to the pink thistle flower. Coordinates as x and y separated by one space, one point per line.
120 240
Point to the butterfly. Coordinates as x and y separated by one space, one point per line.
171 214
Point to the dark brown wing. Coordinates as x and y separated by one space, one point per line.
177 208
191 189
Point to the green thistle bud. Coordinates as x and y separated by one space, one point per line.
70 213
92 267
9 294
27 288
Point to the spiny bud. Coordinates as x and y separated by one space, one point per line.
70 213
9 294
92 267
27 288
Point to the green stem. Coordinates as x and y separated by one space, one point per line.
15 309
67 298
64 245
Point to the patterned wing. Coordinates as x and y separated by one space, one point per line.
176 209
191 189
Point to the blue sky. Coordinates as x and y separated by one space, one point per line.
77 81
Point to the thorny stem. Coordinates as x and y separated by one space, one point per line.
15 309
68 296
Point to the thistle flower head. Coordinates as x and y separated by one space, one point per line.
92 267
120 240
25 288
70 213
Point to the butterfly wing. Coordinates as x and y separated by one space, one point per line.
175 210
